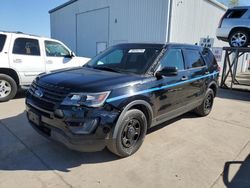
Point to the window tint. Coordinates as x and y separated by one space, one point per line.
194 58
114 57
173 58
25 46
235 13
2 41
208 56
55 49
125 59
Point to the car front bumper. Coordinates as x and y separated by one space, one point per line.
69 129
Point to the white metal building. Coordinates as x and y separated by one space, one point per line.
89 26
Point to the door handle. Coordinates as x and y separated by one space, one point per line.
17 61
207 72
184 78
49 62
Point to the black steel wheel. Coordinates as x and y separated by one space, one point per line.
205 108
130 135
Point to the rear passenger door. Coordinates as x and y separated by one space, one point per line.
26 58
197 69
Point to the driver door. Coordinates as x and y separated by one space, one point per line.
171 99
57 56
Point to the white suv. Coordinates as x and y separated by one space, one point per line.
23 57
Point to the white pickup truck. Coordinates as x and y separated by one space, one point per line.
24 56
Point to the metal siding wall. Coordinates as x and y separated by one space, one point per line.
137 20
63 25
193 19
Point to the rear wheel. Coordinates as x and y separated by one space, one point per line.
239 38
205 108
130 134
8 88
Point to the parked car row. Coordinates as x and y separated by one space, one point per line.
23 57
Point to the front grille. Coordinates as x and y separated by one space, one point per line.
52 95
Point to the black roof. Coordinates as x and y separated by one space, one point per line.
159 45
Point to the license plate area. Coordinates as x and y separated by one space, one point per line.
34 118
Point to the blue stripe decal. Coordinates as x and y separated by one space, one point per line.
160 88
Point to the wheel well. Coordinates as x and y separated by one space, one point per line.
214 88
11 73
145 110
238 29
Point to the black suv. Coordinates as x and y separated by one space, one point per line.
115 98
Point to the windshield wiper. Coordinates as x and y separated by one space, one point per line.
106 69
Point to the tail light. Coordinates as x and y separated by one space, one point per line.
219 68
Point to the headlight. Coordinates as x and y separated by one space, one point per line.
87 99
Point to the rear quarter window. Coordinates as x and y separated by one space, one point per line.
235 13
208 56
2 41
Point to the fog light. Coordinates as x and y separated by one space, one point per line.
59 113
86 127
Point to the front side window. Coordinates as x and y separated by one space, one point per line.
55 49
2 41
194 58
173 58
125 59
26 46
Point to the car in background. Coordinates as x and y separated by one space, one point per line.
234 27
24 56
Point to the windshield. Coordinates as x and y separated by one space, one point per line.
124 59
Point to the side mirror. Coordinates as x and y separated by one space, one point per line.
167 71
72 54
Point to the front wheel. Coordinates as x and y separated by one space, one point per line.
205 108
130 135
8 88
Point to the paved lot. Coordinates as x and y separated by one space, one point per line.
186 152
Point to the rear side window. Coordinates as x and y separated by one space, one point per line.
193 58
2 41
26 46
173 58
235 13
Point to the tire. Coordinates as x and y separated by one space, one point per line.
205 108
130 135
239 38
8 88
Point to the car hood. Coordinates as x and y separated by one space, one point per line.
89 80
